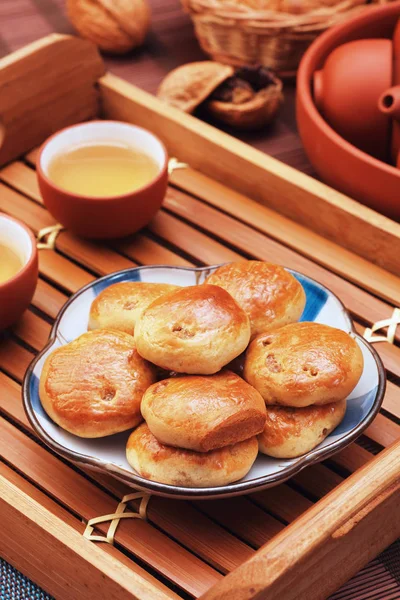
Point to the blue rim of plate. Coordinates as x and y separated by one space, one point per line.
232 489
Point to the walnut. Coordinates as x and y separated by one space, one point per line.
251 111
115 26
245 99
187 86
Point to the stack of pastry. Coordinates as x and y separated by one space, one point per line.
203 423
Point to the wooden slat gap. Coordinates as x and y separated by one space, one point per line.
34 483
94 272
56 285
389 415
301 489
276 516
210 234
172 247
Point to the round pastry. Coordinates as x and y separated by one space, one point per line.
175 466
197 330
291 432
303 364
187 86
120 305
269 294
201 412
93 386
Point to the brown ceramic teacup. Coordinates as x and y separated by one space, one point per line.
111 216
17 291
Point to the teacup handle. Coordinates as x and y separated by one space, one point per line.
46 237
174 164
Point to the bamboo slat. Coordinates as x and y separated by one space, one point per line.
48 299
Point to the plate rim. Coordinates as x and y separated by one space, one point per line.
229 490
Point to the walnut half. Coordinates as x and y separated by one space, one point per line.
245 98
248 100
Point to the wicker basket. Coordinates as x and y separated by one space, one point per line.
237 34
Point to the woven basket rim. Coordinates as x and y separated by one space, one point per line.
235 12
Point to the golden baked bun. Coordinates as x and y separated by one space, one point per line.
174 466
93 386
291 432
269 294
120 305
303 364
203 412
196 330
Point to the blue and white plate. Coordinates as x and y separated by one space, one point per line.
108 454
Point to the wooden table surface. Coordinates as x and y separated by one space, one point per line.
171 42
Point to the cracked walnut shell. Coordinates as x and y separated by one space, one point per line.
245 98
115 26
249 99
187 86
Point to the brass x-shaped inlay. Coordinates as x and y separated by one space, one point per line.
390 323
116 517
174 164
46 238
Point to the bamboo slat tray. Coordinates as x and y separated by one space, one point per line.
301 540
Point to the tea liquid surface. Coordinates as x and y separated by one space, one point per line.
102 170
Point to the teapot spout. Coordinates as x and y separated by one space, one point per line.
389 102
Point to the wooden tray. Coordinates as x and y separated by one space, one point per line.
301 540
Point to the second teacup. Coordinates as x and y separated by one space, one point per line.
103 204
18 269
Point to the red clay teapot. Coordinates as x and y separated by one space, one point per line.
358 93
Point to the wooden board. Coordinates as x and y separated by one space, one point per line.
300 539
